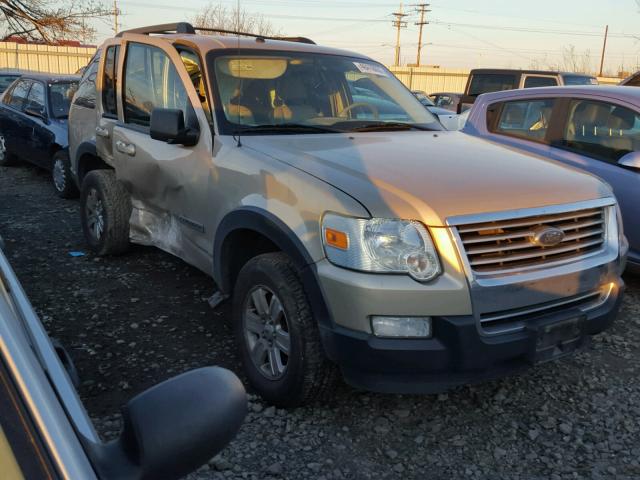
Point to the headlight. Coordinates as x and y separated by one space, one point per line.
380 245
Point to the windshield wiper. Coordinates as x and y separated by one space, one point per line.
391 126
286 128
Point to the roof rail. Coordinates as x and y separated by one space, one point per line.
180 27
185 27
256 35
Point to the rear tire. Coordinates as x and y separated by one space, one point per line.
105 209
303 374
62 177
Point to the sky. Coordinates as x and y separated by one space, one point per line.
461 33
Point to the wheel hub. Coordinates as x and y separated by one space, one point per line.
58 175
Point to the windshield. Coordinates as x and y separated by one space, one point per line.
61 95
579 80
272 92
6 80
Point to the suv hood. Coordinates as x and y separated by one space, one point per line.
430 176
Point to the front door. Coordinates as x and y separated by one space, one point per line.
169 184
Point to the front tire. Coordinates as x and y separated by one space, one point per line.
277 335
61 175
105 209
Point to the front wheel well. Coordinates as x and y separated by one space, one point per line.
239 247
89 162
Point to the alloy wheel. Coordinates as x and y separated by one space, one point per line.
266 332
3 148
94 210
59 177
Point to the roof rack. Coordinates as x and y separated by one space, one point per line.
180 27
185 27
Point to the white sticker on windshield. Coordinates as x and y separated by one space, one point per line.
371 68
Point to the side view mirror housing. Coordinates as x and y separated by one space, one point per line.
167 125
175 427
36 112
630 160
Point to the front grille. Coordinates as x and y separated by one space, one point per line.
513 320
505 245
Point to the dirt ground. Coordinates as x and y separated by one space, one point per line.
132 321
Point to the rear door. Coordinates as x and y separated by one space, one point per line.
38 137
169 184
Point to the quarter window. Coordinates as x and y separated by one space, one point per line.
527 119
18 95
532 82
150 81
601 130
110 79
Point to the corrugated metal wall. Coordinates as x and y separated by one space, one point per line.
44 58
432 80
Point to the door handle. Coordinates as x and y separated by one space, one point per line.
102 132
126 148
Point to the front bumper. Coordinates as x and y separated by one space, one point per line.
457 354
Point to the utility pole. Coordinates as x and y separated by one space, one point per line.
115 16
399 23
422 8
604 46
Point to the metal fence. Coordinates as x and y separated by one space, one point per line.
44 58
432 80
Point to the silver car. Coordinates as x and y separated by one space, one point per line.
350 231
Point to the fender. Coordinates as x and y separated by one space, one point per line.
270 226
87 147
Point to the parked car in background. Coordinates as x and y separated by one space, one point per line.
486 80
350 237
596 129
33 125
448 100
168 431
447 118
7 77
631 81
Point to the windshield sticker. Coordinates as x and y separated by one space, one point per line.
372 69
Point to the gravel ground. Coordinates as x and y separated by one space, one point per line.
132 321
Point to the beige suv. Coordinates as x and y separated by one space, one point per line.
352 233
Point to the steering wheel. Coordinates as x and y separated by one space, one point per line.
372 108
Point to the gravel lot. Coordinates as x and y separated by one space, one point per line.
132 321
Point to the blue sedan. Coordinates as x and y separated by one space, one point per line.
33 125
593 128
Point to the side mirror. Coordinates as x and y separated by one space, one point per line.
175 427
630 160
167 125
36 112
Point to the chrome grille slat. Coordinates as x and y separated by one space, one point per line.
527 221
504 245
526 244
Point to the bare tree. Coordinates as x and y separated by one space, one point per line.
574 61
219 16
49 20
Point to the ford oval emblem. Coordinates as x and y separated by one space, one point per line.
546 236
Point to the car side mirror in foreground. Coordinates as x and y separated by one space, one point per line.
175 427
167 125
631 160
36 112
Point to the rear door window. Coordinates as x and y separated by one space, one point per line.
18 95
109 83
601 130
532 81
492 82
527 119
